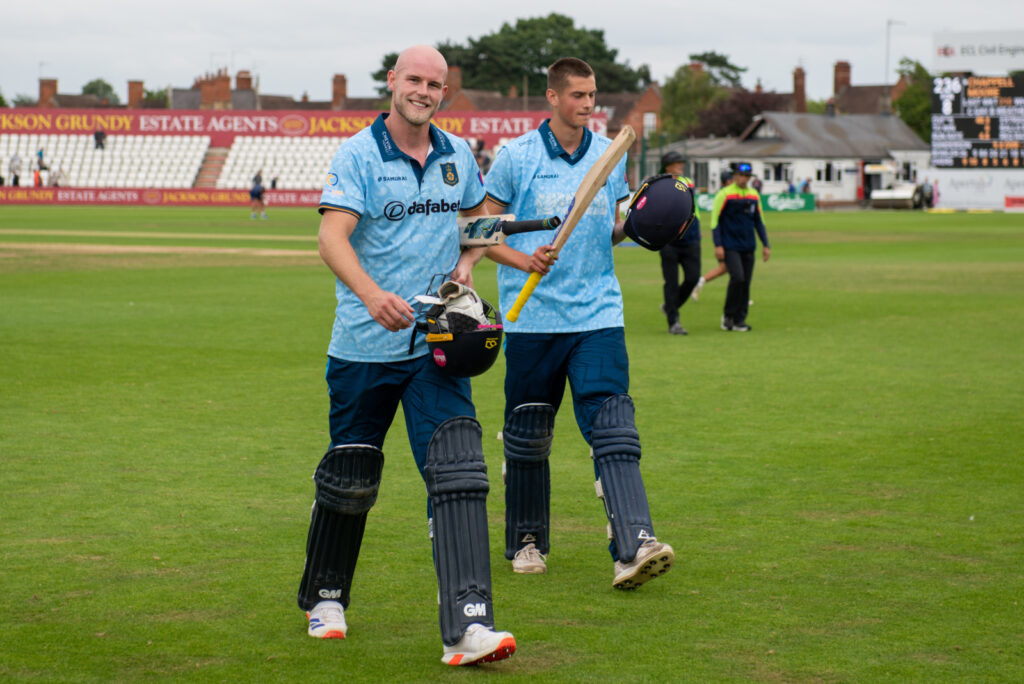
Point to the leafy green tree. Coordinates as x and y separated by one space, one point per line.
381 75
685 94
816 106
22 100
722 71
914 105
155 99
3 102
518 55
102 90
732 115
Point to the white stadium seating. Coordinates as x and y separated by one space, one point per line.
298 163
127 161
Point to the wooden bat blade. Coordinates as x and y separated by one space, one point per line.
587 190
592 183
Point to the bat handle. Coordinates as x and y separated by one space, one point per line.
513 227
524 294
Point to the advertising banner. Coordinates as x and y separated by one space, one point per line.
769 202
223 126
187 197
979 52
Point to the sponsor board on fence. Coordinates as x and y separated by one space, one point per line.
222 126
181 197
995 190
769 202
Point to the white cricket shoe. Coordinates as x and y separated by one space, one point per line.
653 559
695 294
327 621
480 645
529 561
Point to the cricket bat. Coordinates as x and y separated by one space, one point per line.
585 193
483 231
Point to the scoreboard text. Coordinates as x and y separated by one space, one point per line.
978 122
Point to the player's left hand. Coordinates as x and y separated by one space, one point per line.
765 253
541 260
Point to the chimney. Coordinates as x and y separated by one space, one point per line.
136 94
830 107
243 80
758 88
47 91
339 92
207 93
696 66
222 90
454 82
841 79
799 91
305 96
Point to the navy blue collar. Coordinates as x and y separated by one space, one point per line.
389 150
555 148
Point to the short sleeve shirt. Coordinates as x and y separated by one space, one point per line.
534 177
406 231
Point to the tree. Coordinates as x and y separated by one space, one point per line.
155 99
381 75
102 90
732 115
519 55
816 106
685 94
3 102
914 105
722 71
22 100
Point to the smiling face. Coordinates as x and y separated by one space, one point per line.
573 104
417 84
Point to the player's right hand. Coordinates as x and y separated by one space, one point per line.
390 310
542 259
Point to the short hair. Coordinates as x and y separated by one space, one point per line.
561 70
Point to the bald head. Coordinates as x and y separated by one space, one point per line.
424 58
417 86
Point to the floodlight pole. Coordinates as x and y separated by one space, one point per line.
889 23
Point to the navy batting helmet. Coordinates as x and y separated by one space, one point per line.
660 211
671 157
463 330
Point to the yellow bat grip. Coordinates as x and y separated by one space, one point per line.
524 294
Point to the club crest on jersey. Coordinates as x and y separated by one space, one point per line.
449 173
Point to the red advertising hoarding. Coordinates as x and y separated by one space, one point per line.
222 126
176 197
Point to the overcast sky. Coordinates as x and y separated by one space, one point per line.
295 46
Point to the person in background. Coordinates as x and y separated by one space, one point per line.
735 218
683 252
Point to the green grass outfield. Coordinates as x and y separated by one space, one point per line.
843 486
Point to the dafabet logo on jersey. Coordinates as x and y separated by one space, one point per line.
396 211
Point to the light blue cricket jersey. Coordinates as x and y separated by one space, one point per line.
406 231
534 177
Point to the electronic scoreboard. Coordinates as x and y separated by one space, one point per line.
978 122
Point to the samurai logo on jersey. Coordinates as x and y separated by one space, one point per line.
396 211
